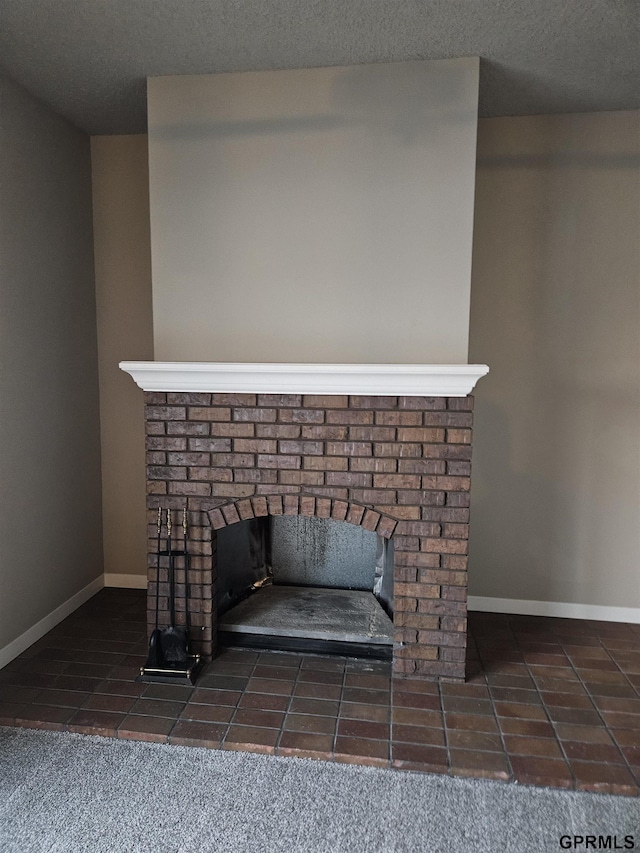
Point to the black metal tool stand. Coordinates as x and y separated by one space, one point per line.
170 660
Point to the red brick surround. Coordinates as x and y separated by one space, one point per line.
398 465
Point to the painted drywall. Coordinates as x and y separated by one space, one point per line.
123 302
50 523
319 215
556 313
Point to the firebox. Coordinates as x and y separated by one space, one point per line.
298 583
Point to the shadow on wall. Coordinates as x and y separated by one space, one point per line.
504 502
402 102
555 312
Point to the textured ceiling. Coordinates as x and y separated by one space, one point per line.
88 59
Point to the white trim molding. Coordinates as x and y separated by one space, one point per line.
37 631
412 380
560 609
122 581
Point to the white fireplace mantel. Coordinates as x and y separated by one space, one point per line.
428 380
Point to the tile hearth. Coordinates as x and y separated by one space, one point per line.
548 701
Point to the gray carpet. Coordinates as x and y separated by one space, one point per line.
65 792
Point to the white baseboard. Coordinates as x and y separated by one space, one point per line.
33 634
564 610
523 607
125 581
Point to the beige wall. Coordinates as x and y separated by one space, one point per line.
556 314
50 521
322 214
123 295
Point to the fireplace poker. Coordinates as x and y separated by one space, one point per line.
186 574
158 565
154 640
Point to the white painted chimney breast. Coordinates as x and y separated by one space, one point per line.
314 215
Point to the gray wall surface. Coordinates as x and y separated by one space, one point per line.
314 215
123 300
50 516
556 314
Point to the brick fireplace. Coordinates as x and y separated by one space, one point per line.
360 176
397 465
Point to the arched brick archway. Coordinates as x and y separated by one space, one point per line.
304 504
399 466
203 526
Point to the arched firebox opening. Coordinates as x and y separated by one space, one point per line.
300 583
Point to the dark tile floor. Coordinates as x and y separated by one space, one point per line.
548 701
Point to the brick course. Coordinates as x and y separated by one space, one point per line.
399 466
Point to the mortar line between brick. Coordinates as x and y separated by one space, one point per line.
599 713
237 705
542 702
342 689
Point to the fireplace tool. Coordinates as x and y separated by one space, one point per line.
153 659
170 659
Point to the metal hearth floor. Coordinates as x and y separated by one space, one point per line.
339 615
